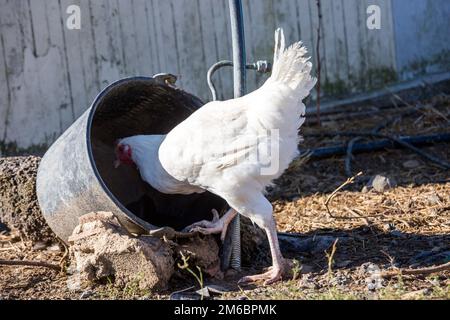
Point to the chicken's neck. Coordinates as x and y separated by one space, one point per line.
145 154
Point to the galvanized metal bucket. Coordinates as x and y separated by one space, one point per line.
76 175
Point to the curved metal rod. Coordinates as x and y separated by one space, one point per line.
261 66
216 66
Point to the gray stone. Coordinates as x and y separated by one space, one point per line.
86 294
381 183
40 245
433 199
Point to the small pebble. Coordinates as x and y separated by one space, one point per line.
86 294
40 245
54 248
308 282
369 268
433 199
381 183
374 283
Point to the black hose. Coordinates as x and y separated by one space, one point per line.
388 142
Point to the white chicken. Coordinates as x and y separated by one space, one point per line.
233 148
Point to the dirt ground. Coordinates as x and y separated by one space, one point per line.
405 226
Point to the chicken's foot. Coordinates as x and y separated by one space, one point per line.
217 225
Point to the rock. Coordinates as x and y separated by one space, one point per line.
203 292
19 208
411 164
368 268
203 251
380 183
433 199
86 294
54 247
339 280
372 273
40 245
374 283
101 249
211 290
308 282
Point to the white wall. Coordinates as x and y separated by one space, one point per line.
422 33
49 74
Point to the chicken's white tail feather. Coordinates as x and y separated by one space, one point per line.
279 44
290 67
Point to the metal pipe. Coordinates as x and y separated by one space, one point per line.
238 40
216 66
239 61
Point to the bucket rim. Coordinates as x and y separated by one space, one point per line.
131 217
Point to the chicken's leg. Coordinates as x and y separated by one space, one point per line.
215 226
279 265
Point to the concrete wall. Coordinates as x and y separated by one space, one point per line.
49 74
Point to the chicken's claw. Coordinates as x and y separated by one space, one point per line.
275 273
204 223
216 225
271 276
210 230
